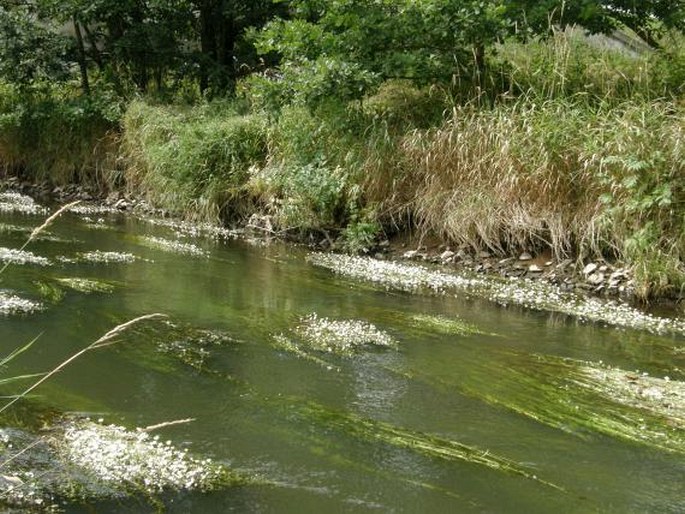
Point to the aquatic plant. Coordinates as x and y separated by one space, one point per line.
16 202
99 256
343 337
168 245
21 257
86 285
83 461
12 304
135 460
416 441
513 291
445 325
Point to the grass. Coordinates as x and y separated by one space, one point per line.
193 161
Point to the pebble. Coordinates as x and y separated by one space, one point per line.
590 268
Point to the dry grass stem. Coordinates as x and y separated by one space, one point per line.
103 341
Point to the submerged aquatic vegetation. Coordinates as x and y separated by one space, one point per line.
660 396
49 291
445 325
578 397
16 202
425 444
98 256
11 304
134 459
168 245
86 285
513 291
21 257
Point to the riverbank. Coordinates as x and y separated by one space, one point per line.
581 185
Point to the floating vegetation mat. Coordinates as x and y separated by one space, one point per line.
424 444
16 202
86 285
339 337
11 304
104 257
445 325
168 245
517 291
21 257
136 460
81 461
192 229
92 209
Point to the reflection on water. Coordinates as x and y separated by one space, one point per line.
486 419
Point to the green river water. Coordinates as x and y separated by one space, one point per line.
379 430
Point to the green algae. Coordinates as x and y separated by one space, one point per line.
86 285
580 398
446 326
428 445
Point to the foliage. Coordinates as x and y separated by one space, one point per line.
31 51
647 18
381 39
193 160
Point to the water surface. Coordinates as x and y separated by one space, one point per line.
356 433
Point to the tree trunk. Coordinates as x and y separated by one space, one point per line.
82 64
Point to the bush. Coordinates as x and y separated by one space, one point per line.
196 160
58 137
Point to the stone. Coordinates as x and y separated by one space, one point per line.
411 254
596 278
525 256
534 268
447 255
483 255
589 269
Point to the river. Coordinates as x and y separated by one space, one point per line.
427 424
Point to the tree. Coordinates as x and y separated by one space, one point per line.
647 18
424 41
31 50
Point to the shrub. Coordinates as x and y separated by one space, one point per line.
194 160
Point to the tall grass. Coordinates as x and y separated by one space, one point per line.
194 161
593 182
56 137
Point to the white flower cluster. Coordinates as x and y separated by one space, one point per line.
116 455
107 257
85 285
191 229
541 296
341 337
10 304
396 275
173 246
15 202
21 257
662 396
524 292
